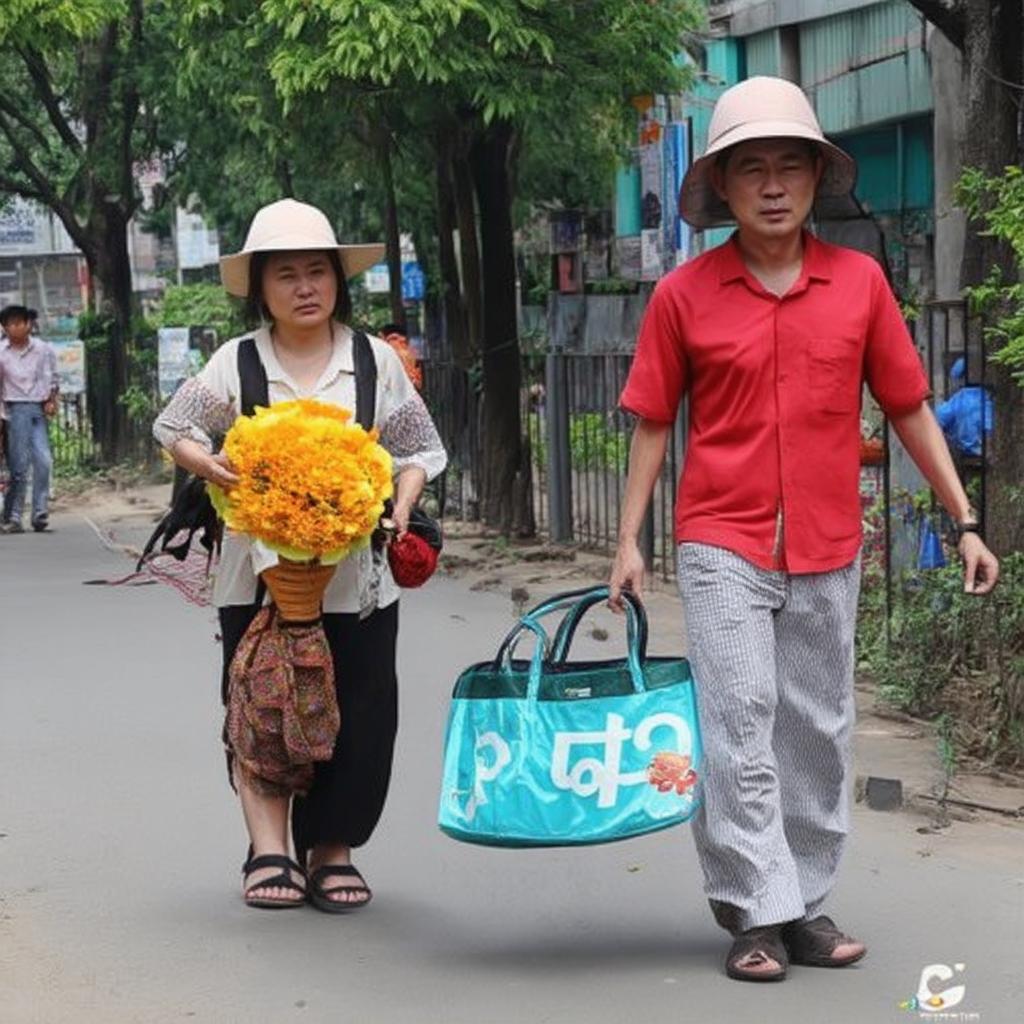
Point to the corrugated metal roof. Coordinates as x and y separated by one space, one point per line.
835 46
745 17
866 67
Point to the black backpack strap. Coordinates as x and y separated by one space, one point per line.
254 390
252 377
366 380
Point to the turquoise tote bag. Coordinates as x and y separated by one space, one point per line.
554 752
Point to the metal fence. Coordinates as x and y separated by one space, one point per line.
579 443
579 447
71 438
76 449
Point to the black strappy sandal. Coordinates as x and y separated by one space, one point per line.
761 944
281 881
320 896
811 943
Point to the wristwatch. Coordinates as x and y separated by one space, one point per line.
960 527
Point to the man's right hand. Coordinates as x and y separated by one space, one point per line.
627 574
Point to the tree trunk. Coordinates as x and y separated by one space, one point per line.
993 50
451 291
111 270
469 249
505 477
392 237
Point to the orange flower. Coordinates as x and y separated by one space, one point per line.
312 484
668 771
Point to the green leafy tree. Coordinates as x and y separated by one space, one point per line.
990 37
80 82
475 76
199 305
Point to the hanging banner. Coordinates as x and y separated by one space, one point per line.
652 194
174 363
70 366
676 163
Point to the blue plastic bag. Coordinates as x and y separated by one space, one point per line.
552 752
929 552
963 416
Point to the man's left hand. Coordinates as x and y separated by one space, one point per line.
50 408
981 567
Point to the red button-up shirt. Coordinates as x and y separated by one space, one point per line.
772 465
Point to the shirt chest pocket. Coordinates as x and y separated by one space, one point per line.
835 374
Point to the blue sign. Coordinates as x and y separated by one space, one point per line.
414 283
676 164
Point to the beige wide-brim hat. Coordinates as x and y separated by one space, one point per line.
286 226
759 108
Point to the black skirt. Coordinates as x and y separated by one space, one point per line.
347 797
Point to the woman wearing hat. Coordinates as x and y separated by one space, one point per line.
772 336
293 274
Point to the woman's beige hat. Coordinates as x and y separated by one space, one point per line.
759 108
288 225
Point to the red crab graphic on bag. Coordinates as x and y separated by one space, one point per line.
668 771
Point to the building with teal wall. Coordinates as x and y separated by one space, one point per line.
865 66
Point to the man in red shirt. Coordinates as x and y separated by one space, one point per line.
772 335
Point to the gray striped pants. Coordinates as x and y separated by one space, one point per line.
772 654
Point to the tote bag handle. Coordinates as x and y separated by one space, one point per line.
567 628
578 601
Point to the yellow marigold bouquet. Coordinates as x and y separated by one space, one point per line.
312 484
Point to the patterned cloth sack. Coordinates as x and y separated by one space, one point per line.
282 710
553 752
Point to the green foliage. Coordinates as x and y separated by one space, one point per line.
139 402
93 326
71 450
560 69
597 444
200 305
369 309
953 657
23 19
998 203
594 443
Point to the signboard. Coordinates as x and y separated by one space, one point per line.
174 363
377 281
652 203
70 366
414 283
18 225
676 163
198 246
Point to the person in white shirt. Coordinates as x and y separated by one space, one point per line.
28 394
293 273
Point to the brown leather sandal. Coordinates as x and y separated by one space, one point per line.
755 947
811 943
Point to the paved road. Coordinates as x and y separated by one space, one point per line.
120 847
